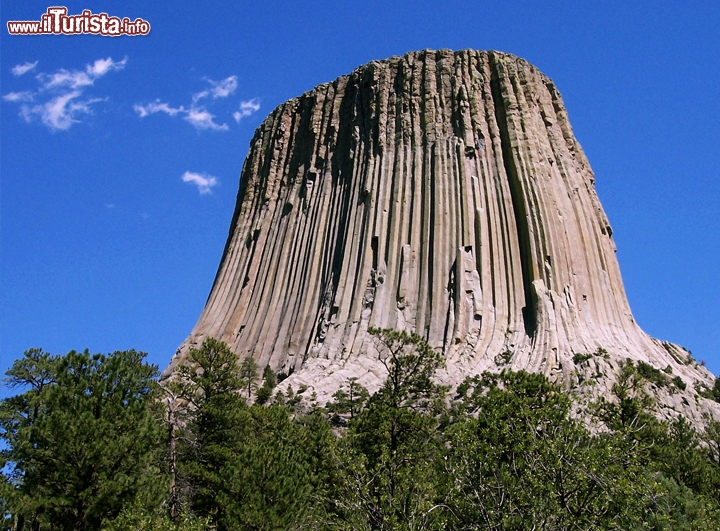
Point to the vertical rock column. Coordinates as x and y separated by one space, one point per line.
442 193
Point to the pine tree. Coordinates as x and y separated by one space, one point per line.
390 478
246 467
216 422
248 375
81 438
269 383
348 400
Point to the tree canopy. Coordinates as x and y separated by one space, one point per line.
80 437
93 442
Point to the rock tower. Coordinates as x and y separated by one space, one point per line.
439 192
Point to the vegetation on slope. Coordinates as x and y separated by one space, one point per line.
94 442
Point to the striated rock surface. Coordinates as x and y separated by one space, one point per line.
437 192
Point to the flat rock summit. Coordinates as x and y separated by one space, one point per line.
442 193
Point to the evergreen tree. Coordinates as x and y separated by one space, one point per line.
269 383
80 439
82 445
247 467
349 400
145 519
519 461
248 375
271 482
712 440
216 423
390 476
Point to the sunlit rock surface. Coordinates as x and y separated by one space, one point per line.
442 193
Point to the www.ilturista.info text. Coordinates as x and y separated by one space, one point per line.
56 21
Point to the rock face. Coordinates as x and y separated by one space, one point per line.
438 192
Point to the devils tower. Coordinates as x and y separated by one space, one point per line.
442 193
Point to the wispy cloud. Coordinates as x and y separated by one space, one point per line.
103 66
19 70
203 181
157 106
202 119
74 79
60 112
60 93
220 89
25 95
199 117
246 109
196 114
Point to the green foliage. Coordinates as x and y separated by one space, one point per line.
682 479
658 377
711 438
349 400
264 483
678 454
579 359
245 467
248 375
263 395
211 371
269 378
522 462
80 438
675 507
652 374
679 383
269 382
217 416
140 519
511 451
710 394
389 461
630 407
411 365
504 357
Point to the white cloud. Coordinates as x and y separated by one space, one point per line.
64 78
202 119
157 106
246 109
19 70
62 93
203 181
220 89
200 95
60 112
77 78
26 95
198 115
102 66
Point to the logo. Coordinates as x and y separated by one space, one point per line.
56 21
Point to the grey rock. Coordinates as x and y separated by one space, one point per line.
442 193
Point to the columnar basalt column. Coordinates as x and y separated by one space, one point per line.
438 192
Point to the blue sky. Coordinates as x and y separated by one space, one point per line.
120 156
